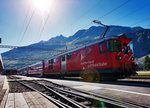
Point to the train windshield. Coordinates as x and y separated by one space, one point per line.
114 46
131 47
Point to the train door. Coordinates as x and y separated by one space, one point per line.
63 63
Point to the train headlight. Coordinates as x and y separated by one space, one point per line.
132 58
119 57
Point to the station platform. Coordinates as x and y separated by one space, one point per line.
21 100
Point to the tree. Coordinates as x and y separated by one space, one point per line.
147 63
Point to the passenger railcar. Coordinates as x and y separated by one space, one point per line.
102 59
35 69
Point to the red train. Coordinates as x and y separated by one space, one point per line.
102 59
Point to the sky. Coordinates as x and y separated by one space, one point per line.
24 22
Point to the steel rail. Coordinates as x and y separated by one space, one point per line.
60 89
58 103
57 93
91 97
96 96
72 103
104 97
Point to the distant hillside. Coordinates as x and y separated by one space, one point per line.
18 58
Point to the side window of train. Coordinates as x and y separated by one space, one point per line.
69 56
50 61
54 60
50 67
125 48
102 47
63 58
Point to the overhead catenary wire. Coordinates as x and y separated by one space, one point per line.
23 25
87 11
45 22
111 11
114 9
43 27
27 25
131 13
140 21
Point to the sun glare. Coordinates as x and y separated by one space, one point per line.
42 5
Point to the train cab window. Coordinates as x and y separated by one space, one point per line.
114 46
102 47
69 56
54 60
131 47
125 48
63 58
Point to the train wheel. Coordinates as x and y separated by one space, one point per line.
97 75
90 75
62 74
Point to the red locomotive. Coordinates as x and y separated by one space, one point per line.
102 59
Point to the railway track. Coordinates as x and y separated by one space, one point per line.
66 97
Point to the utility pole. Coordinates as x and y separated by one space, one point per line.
106 26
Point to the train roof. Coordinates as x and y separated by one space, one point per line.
88 44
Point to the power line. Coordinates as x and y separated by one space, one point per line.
140 21
90 9
27 25
132 12
21 32
87 11
114 9
44 25
42 30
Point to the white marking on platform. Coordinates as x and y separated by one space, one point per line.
87 87
95 88
128 91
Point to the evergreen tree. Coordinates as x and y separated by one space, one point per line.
147 63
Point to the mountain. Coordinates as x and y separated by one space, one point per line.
18 57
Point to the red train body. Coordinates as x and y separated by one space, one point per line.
107 58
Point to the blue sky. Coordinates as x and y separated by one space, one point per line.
22 23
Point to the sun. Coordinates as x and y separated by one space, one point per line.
42 5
